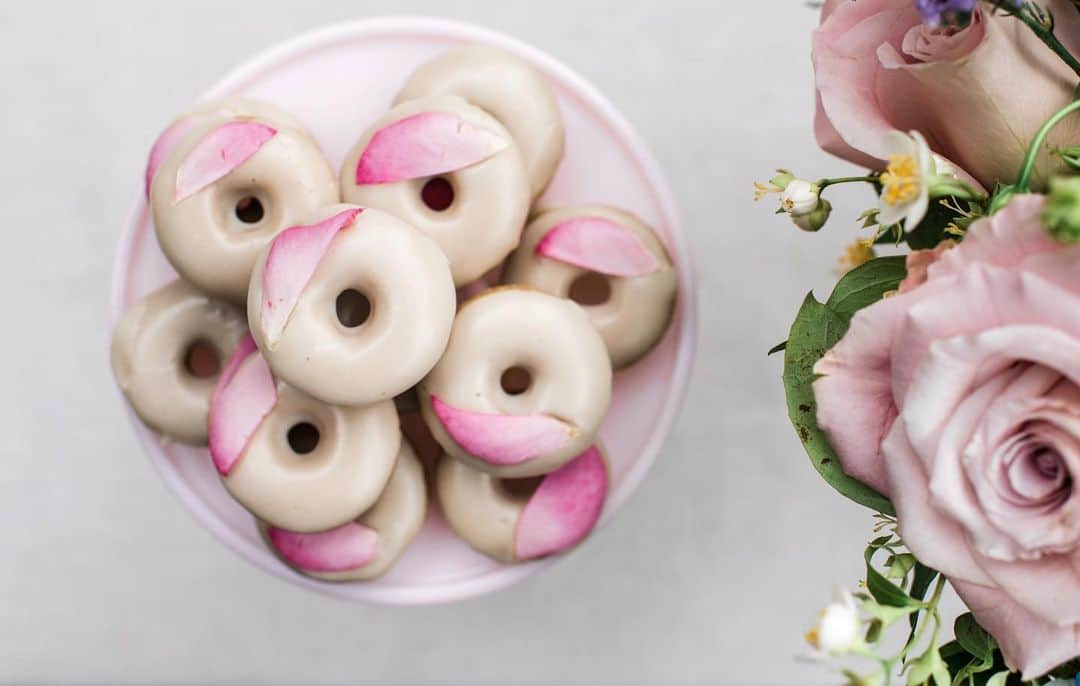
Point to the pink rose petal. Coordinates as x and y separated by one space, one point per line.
164 145
564 509
292 261
425 144
218 153
244 395
599 245
343 549
503 439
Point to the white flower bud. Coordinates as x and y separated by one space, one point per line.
799 198
838 630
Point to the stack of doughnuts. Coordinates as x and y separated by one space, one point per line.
412 328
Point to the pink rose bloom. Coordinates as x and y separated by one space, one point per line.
960 400
977 94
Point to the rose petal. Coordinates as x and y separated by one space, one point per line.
502 439
1030 644
244 395
425 144
293 258
599 245
218 153
165 144
564 509
343 549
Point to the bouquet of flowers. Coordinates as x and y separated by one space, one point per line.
940 387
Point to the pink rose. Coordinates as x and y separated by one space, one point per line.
960 400
978 94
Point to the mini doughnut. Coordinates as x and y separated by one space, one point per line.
366 548
166 353
449 169
523 384
292 461
514 521
511 90
354 308
610 262
226 187
228 108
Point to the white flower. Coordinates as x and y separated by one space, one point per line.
799 198
838 630
905 192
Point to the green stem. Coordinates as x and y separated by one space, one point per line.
822 184
1023 184
1044 33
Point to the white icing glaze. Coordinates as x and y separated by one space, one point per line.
397 517
491 198
333 484
148 357
406 279
639 309
201 234
550 337
509 89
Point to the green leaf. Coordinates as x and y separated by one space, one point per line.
920 584
998 679
899 566
973 638
883 590
817 328
777 348
931 230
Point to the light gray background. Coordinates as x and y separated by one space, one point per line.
710 574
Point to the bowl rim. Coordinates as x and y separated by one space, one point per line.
685 356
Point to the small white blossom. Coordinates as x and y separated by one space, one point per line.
799 198
838 630
905 192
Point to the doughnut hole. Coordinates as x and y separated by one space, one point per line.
437 194
521 489
590 289
516 380
353 308
249 210
202 360
303 438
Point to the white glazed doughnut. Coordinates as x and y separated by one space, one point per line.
518 521
166 354
449 169
610 262
293 461
366 548
507 87
226 188
523 386
354 308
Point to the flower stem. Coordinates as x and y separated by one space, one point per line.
1041 30
825 183
1023 183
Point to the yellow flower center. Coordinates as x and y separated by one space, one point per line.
901 181
813 638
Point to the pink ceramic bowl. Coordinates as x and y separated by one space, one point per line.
338 80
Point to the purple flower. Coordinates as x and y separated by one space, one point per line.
952 12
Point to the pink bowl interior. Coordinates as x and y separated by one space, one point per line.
337 81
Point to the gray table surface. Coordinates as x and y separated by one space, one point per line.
709 575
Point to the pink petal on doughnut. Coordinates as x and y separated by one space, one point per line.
564 508
293 259
599 245
218 153
343 549
164 145
244 395
503 439
425 144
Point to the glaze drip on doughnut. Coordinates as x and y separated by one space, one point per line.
345 548
425 144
